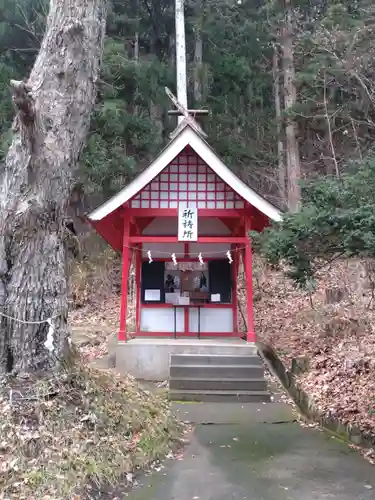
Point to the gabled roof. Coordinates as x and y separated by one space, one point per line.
187 137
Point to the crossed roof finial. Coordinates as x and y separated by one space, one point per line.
187 114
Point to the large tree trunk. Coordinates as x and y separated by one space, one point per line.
290 100
280 143
198 54
53 116
198 58
136 60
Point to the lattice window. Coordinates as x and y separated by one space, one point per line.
187 181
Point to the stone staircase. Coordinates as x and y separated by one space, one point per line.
217 377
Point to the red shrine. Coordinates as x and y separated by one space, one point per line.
186 218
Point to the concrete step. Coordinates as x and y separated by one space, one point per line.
214 359
222 384
216 371
220 396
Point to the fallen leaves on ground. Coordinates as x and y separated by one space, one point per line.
67 436
338 339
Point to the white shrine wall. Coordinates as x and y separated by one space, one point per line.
212 319
161 319
218 320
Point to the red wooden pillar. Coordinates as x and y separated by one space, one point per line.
248 264
234 286
138 265
126 254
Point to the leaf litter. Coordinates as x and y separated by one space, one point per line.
80 435
337 339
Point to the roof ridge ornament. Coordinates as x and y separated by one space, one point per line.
188 118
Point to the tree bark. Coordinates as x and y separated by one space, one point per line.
280 143
290 100
198 54
52 120
136 60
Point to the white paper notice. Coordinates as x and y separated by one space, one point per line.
183 301
152 295
215 297
172 298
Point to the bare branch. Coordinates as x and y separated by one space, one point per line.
330 138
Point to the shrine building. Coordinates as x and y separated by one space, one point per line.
184 221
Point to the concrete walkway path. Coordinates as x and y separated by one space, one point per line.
257 452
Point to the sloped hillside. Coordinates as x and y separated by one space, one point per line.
83 435
333 328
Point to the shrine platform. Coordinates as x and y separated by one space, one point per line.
149 358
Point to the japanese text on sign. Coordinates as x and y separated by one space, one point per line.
188 224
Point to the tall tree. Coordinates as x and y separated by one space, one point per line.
52 119
290 101
198 53
279 128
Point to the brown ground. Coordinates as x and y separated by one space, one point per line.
337 338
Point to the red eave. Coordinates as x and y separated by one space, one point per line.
110 229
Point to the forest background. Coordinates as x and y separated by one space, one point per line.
290 87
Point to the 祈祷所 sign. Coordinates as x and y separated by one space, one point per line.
188 224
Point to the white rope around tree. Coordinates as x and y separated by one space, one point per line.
48 344
24 322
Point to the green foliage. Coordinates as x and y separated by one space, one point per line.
334 60
21 29
6 108
337 219
130 122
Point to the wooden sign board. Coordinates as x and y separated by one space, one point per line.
188 224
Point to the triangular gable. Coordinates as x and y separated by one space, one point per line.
187 137
187 182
